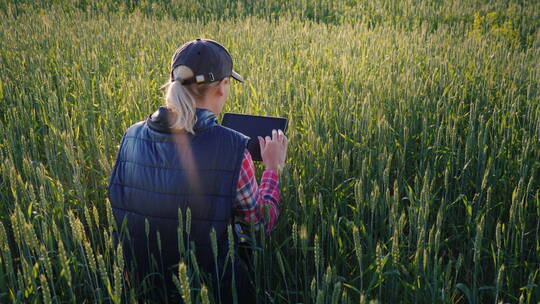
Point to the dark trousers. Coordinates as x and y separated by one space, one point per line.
161 286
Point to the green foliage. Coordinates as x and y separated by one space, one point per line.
414 144
491 25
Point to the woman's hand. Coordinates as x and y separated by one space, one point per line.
274 150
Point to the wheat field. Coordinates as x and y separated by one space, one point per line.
413 172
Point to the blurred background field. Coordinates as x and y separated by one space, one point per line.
414 162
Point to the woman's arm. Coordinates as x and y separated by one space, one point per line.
252 199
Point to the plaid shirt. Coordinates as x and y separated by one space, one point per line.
252 199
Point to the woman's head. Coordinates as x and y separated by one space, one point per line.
200 77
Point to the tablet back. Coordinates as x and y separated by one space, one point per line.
253 126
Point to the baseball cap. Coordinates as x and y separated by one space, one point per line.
209 61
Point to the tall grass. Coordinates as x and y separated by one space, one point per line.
413 169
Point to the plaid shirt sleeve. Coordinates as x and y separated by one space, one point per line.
252 199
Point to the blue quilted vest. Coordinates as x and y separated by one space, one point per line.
158 171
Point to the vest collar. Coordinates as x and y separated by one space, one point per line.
161 120
205 119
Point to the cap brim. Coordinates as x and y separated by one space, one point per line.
237 76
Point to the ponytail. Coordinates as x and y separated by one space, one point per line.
182 98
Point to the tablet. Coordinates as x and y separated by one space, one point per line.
253 126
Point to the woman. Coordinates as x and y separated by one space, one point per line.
180 159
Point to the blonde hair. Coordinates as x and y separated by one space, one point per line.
182 99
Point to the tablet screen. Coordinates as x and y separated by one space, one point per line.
253 126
